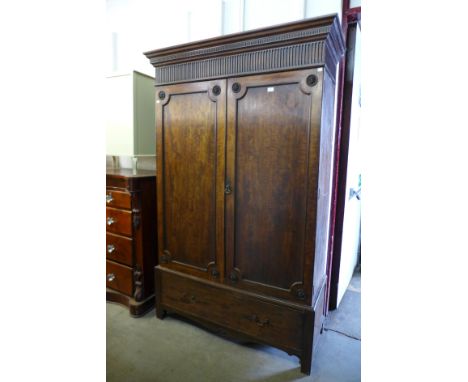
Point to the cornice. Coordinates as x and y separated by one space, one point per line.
305 43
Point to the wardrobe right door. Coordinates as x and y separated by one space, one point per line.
273 134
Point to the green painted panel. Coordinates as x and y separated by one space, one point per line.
144 115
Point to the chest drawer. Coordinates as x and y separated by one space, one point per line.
274 324
119 221
119 277
117 181
118 199
119 248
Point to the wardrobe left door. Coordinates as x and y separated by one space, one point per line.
190 144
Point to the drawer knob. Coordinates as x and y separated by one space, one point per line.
110 277
110 221
109 198
188 299
110 248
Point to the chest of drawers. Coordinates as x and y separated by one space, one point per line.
131 238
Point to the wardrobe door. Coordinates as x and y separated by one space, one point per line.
272 169
190 127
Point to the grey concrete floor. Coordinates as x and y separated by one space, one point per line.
172 350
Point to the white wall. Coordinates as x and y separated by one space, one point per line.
142 25
316 8
262 13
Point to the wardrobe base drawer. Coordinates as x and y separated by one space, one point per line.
119 277
268 321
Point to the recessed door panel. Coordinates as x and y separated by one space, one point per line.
269 167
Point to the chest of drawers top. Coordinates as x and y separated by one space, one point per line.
126 178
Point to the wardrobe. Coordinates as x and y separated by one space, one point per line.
245 145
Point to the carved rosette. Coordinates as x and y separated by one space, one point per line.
297 290
235 275
212 270
165 258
